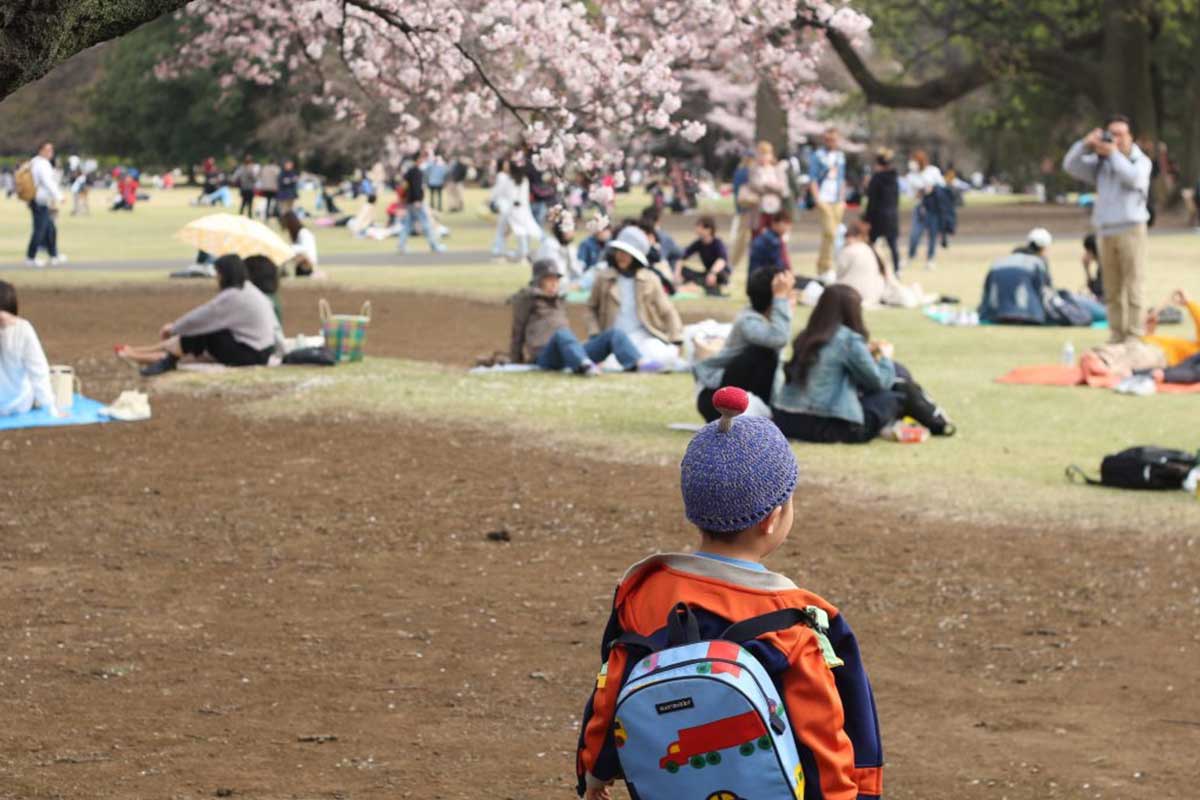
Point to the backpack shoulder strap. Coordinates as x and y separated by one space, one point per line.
811 617
1075 472
780 620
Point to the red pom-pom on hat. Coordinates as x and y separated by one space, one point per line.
731 402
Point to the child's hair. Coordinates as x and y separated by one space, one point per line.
8 298
782 215
231 272
1089 244
839 305
759 290
651 214
708 223
263 273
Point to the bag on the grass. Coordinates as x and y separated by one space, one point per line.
703 719
24 184
310 357
1142 468
345 334
1063 308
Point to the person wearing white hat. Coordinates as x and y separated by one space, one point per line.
1036 244
628 297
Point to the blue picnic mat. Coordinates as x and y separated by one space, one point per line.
84 411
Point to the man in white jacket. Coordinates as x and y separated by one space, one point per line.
1121 173
44 206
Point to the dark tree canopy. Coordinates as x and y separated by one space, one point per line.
37 35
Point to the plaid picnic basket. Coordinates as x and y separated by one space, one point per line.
345 334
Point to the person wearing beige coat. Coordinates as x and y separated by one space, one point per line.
651 320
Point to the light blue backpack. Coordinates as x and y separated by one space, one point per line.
702 720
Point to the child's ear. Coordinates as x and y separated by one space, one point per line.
767 526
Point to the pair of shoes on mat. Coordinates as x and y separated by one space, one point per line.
131 406
1137 385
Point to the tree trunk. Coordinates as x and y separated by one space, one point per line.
770 119
36 36
1125 65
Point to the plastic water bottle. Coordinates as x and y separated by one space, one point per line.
1068 354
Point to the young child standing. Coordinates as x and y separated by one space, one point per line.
738 478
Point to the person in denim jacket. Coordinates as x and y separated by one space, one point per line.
841 386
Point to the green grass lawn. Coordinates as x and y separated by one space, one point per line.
1006 463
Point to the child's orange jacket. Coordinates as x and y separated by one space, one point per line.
830 704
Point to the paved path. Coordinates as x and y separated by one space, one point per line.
423 258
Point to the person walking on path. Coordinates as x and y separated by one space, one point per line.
245 177
44 207
827 188
883 205
454 183
415 211
924 180
1121 173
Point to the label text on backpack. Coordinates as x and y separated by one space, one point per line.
681 704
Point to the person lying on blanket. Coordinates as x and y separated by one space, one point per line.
24 373
236 328
1168 359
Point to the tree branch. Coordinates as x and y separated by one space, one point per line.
36 37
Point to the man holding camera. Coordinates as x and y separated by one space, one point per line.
1121 173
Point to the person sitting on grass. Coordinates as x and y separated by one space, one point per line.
842 386
860 267
1091 255
541 333
557 246
262 272
1167 359
236 328
713 257
750 356
304 245
591 249
738 481
24 371
769 249
629 297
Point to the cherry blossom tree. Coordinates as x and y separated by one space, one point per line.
569 80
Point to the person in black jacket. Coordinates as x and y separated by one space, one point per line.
883 204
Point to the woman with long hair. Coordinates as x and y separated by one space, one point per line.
510 200
304 245
841 386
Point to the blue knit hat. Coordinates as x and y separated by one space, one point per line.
736 471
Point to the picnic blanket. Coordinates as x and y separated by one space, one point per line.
969 318
1063 375
84 411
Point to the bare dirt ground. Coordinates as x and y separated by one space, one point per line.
208 605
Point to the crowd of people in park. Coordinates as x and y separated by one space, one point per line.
839 384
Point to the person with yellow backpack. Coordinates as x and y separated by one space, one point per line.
37 185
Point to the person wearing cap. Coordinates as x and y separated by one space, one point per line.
738 479
1036 244
541 332
629 297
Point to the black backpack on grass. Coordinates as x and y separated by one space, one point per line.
1142 468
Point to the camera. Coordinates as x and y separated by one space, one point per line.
1106 137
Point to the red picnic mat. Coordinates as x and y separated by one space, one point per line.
1063 375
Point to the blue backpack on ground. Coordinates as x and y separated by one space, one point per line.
702 720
